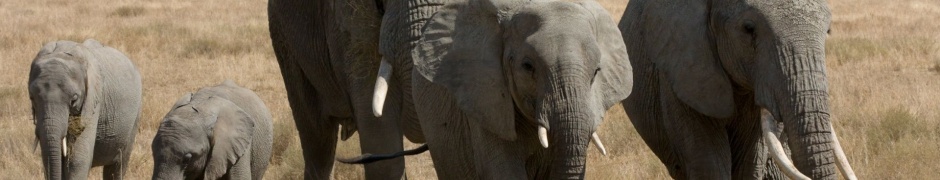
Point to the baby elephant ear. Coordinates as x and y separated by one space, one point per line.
461 50
230 136
183 100
614 80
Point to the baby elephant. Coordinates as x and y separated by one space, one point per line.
222 131
86 102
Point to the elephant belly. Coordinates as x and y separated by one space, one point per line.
114 136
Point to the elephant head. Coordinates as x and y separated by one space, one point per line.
709 50
201 138
551 65
63 89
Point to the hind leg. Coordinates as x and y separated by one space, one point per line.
117 169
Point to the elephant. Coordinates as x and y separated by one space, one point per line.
86 103
337 59
515 89
223 131
706 69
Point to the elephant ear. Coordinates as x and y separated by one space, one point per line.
614 81
230 136
675 37
183 100
92 94
461 50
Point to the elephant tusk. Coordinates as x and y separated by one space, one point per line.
65 149
543 136
777 153
35 144
597 142
381 88
843 162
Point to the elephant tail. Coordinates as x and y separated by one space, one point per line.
369 158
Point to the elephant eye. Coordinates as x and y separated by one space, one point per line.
188 157
749 27
527 66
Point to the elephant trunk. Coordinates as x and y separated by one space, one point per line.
572 124
51 128
803 105
570 137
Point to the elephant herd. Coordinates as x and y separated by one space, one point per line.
495 89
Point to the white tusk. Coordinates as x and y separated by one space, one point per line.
597 142
65 149
777 153
381 88
841 159
543 136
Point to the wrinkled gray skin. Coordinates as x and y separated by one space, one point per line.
490 72
704 71
223 131
329 52
98 89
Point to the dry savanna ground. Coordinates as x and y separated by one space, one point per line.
883 57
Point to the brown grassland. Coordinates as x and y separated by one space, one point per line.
883 63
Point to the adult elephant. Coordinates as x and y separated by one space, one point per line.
86 101
514 89
329 52
705 70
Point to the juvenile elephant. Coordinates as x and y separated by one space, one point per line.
86 101
330 53
706 69
223 131
514 89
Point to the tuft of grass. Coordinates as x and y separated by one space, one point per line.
283 131
128 11
212 47
896 125
853 49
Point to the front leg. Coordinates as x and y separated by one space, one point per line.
701 142
242 168
497 158
81 150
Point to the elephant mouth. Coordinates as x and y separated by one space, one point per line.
777 153
75 129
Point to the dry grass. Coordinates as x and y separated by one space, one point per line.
884 62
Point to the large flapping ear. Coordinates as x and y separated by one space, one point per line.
614 81
92 94
230 136
461 50
675 37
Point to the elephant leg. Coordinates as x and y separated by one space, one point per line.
445 130
118 169
748 153
81 153
381 135
241 169
317 132
701 142
646 114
